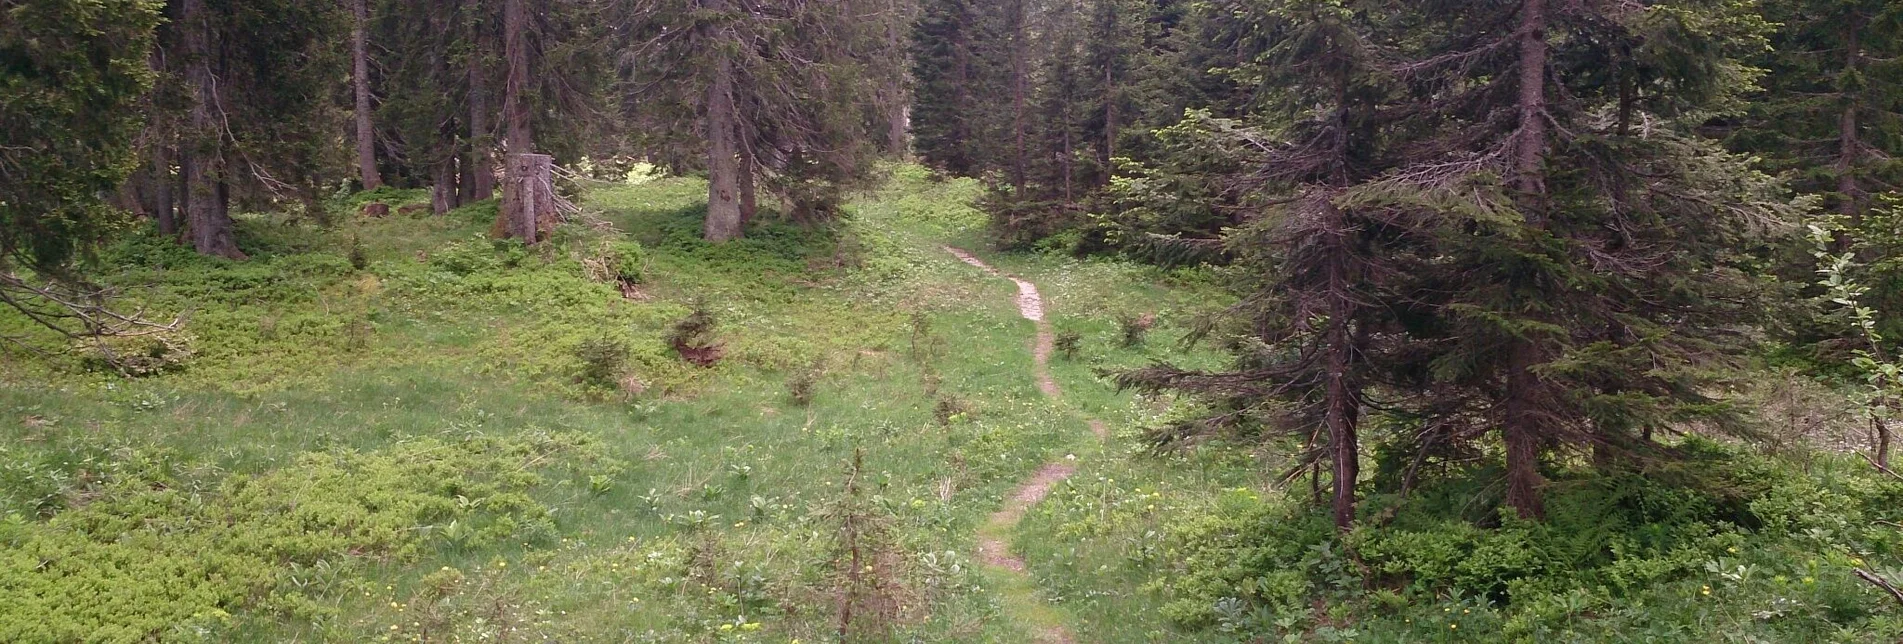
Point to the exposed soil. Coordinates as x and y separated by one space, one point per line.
992 551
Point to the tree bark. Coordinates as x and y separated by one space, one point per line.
1109 118
724 210
515 106
360 80
526 174
209 227
1020 81
1343 397
1520 428
896 105
749 193
1849 142
161 191
442 186
481 168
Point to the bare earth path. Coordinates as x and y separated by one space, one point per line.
993 549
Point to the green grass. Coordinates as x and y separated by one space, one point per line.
704 512
415 451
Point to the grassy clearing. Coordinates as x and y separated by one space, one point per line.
448 438
706 505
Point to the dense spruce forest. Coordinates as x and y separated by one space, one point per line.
951 320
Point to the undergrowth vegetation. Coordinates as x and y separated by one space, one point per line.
399 429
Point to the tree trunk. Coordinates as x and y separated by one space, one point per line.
961 160
1343 402
1109 118
896 105
161 191
526 175
527 193
1530 142
724 210
481 168
1020 80
442 186
209 228
1520 428
515 106
1849 142
360 80
749 193
1520 433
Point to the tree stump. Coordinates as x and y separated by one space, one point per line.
528 198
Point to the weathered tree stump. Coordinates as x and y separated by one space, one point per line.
528 198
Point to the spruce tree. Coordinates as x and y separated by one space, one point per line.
72 75
771 91
1592 284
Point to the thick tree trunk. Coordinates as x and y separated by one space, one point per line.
1520 431
515 106
527 176
480 171
527 190
209 228
1520 428
360 80
724 210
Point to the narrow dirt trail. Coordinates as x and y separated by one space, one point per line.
993 538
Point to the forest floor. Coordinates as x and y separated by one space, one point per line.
400 430
461 439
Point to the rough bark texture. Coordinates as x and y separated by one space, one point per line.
160 191
1520 428
749 192
527 205
480 171
1849 145
896 105
1020 90
515 106
724 209
360 81
527 193
209 228
1343 411
442 186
